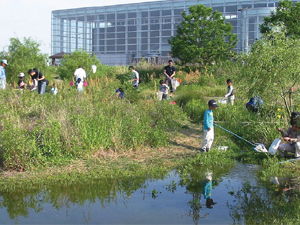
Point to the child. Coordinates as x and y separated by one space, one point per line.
230 95
119 93
163 88
21 81
54 89
208 126
292 136
79 85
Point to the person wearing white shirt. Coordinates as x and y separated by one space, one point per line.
80 73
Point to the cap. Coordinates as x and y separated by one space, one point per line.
213 103
4 61
21 75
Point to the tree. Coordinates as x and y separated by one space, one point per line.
272 68
78 58
23 56
202 37
285 14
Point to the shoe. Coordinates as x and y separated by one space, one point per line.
203 150
207 150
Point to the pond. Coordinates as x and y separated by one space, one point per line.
173 199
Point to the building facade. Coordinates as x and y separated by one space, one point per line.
124 34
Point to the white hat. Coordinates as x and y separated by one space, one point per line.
21 75
4 61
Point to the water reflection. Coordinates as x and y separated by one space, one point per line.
188 199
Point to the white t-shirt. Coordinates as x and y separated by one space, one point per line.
136 76
80 73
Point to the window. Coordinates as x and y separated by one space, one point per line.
121 48
144 40
154 33
121 28
144 14
121 16
111 48
120 41
155 27
232 8
220 9
131 15
144 47
131 41
166 26
132 28
132 34
110 35
166 12
111 16
145 34
177 12
166 33
154 13
120 35
110 42
131 47
260 5
154 40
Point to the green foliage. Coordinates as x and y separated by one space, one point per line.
23 56
78 58
271 68
202 37
286 14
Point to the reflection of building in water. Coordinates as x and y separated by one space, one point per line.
122 34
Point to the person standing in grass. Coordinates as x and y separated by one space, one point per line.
135 79
3 74
291 135
208 126
163 88
169 72
79 73
230 92
79 85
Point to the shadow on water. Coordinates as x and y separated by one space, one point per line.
220 195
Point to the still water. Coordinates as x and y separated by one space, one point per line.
170 200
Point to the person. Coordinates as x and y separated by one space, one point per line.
38 80
54 89
163 88
3 74
206 191
119 93
292 136
135 79
208 126
254 104
230 93
169 72
21 83
79 85
79 73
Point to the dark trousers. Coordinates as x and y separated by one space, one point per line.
164 96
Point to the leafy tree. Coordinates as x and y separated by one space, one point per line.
271 68
78 58
287 14
23 56
202 37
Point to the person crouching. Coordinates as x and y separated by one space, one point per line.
291 135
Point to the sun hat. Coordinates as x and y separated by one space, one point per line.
4 61
21 75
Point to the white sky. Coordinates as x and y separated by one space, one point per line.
32 18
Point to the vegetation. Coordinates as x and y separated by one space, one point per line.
202 37
285 15
23 56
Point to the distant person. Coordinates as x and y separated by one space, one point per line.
208 126
119 93
21 83
255 104
292 136
163 88
38 80
54 89
169 72
79 85
80 73
135 79
3 74
230 93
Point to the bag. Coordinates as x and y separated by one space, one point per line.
175 83
159 95
274 146
85 83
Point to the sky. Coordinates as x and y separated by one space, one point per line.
32 18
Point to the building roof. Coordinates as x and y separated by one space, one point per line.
59 55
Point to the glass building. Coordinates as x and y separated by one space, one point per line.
124 34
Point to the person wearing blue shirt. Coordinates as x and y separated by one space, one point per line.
208 126
3 74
